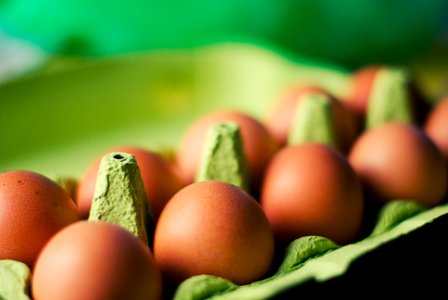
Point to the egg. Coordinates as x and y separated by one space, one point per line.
213 228
160 180
311 189
32 209
362 84
436 126
259 146
398 161
282 113
358 91
93 261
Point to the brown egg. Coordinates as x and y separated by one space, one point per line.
398 161
360 88
311 189
436 126
213 228
259 145
32 209
93 261
280 118
159 178
358 93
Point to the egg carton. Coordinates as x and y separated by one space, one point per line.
71 110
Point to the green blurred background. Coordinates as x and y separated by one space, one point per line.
347 32
79 76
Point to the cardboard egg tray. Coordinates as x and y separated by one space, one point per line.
57 120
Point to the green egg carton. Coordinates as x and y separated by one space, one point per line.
56 121
400 257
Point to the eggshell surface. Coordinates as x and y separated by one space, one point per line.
359 90
32 209
213 228
93 261
311 189
436 126
399 161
